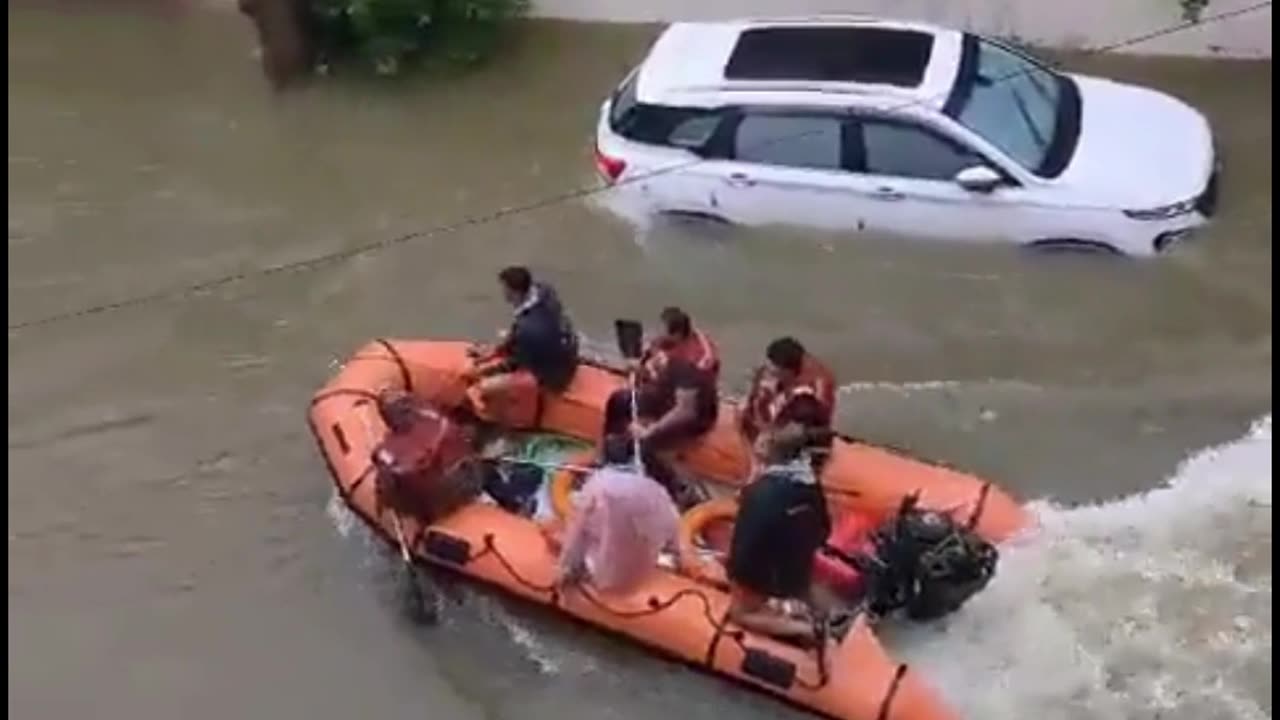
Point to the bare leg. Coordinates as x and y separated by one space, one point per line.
752 612
508 399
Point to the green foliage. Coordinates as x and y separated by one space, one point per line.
388 36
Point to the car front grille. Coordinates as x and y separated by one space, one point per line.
1207 203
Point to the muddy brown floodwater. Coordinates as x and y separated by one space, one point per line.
173 550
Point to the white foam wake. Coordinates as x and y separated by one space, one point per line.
626 204
1153 606
915 386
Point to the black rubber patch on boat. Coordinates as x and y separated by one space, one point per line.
887 702
769 668
447 548
341 437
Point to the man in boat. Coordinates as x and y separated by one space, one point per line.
675 408
682 340
782 521
790 372
540 350
622 523
421 464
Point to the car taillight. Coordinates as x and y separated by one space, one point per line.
610 168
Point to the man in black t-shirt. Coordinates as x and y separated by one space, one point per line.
782 521
678 406
538 352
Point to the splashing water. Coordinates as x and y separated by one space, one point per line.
1154 606
628 206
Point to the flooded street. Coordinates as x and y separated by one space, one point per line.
172 548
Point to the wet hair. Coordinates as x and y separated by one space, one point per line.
516 278
617 449
677 321
804 410
787 353
786 443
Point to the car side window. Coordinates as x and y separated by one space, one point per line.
694 132
806 141
901 150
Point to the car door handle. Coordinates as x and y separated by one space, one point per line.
888 193
739 180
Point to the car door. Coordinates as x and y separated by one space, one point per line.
785 168
912 169
675 179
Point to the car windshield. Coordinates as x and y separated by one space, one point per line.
1012 103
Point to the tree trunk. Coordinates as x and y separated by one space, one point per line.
282 38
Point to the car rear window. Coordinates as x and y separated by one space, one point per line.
688 128
624 99
840 54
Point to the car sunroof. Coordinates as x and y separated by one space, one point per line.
839 54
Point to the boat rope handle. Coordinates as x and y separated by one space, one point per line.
491 548
655 606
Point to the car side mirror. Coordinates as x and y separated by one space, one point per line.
979 179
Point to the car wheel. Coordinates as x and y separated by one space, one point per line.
698 226
695 217
1074 246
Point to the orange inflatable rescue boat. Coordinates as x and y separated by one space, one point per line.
683 615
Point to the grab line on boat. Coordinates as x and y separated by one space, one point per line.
395 355
885 704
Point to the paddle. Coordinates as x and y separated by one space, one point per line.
415 603
630 336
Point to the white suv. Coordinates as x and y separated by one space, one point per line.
902 129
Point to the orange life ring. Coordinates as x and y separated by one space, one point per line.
565 480
692 524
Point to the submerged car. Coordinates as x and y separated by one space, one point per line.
903 129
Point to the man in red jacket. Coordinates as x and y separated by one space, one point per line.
792 386
420 464
680 340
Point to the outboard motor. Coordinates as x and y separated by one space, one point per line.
926 564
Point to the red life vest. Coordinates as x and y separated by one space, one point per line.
767 400
698 350
413 464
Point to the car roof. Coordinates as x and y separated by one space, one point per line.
829 60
